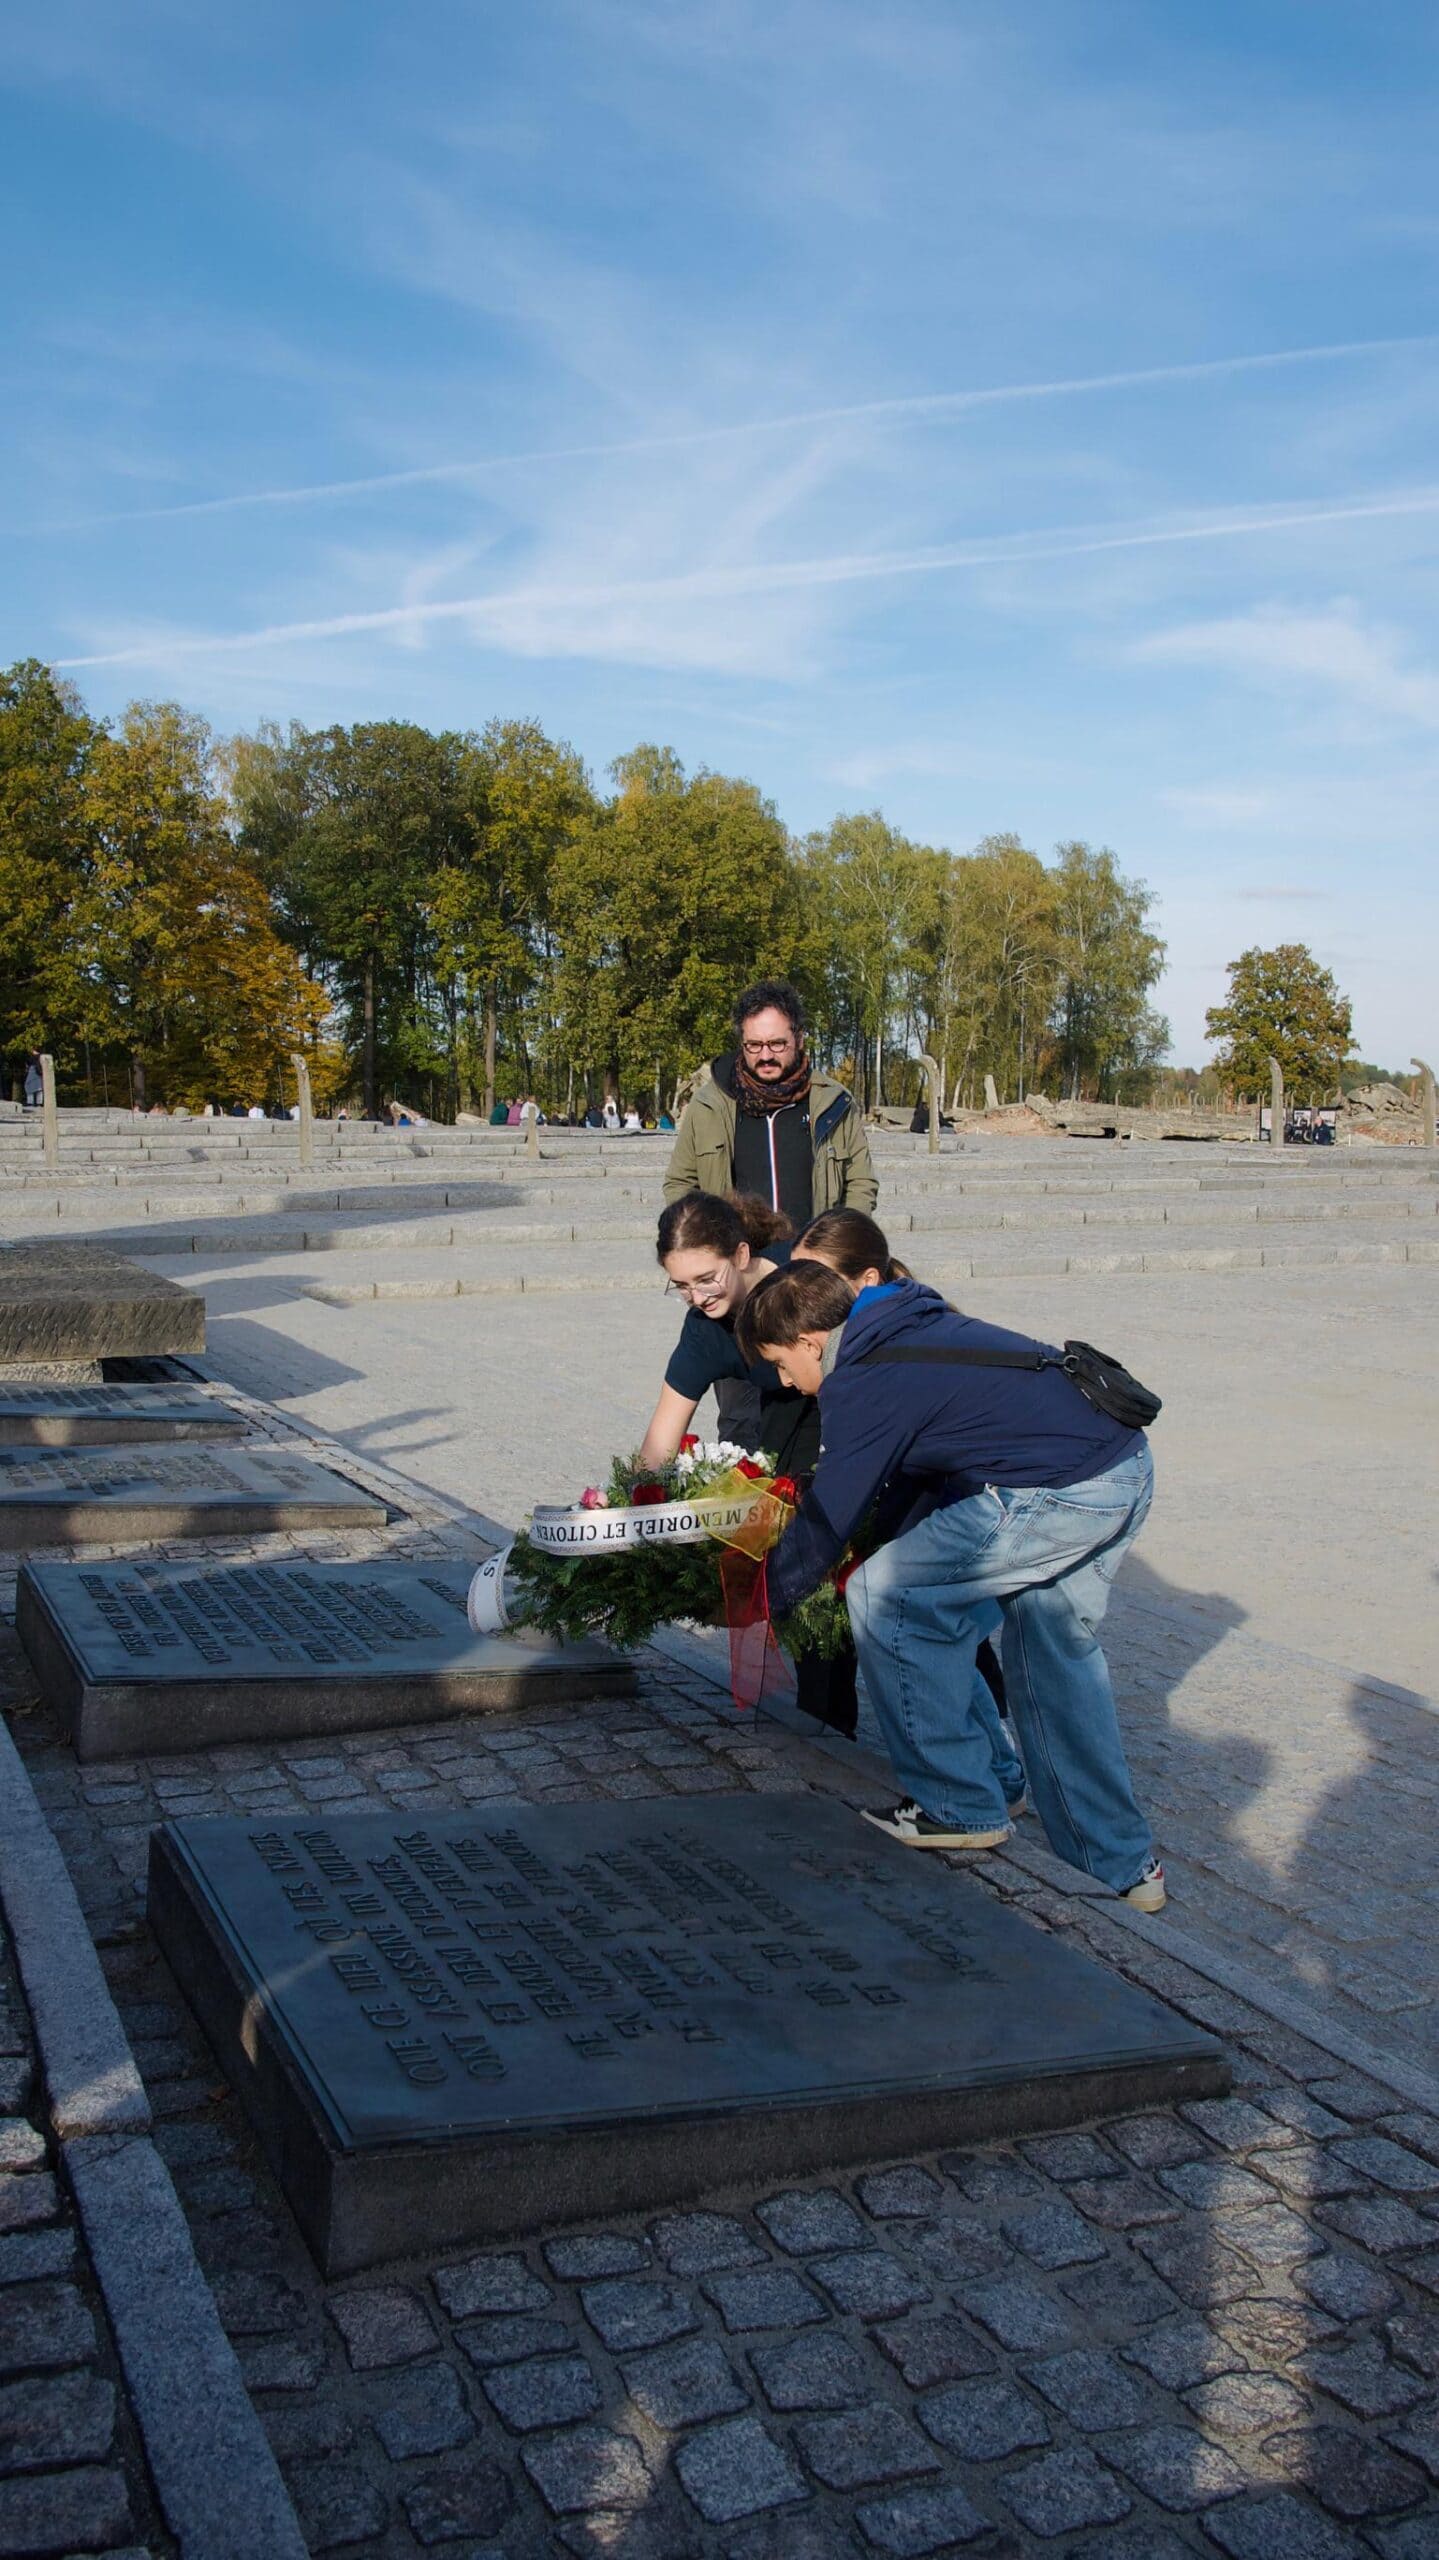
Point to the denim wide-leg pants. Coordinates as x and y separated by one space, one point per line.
1048 1556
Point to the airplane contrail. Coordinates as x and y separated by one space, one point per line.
759 578
921 404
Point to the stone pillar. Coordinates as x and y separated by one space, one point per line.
1276 1103
49 1112
307 1116
931 1069
1427 1098
991 1096
532 1135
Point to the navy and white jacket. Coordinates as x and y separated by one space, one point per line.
948 1430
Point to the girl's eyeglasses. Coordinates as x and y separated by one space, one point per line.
697 1292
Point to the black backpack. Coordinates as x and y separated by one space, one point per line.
1106 1383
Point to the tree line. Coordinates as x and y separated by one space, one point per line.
445 917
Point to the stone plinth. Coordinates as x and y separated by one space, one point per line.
78 1302
473 2025
175 1657
98 1416
52 1497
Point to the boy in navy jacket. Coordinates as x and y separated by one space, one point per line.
1026 1494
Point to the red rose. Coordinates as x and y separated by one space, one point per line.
649 1493
842 1572
785 1489
747 1467
690 1441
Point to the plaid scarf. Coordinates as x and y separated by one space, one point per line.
758 1098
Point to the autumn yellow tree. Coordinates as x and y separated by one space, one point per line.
174 943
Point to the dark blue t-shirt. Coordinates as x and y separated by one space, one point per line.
707 1351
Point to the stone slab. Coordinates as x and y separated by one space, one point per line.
477 2024
175 1657
80 1302
55 1497
80 1416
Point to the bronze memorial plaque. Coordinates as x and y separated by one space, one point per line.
471 2025
63 1497
172 1657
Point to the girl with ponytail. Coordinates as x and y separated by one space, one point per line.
854 1246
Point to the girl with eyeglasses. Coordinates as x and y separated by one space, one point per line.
715 1250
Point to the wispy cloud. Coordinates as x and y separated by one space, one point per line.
1335 650
907 408
1283 890
1218 807
541 619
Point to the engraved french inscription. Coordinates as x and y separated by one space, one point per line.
566 1950
500 2018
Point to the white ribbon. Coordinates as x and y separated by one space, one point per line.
486 1609
570 1530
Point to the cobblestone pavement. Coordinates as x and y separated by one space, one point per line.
1211 2328
72 2469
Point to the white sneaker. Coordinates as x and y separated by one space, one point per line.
1147 1892
916 1829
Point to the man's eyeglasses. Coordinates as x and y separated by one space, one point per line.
767 1048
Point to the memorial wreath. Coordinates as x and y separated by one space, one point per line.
655 1544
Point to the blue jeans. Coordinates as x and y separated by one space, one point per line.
1005 1765
1048 1556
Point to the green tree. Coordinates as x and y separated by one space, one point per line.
1106 961
47 739
999 966
1281 1004
524 797
871 899
665 901
353 829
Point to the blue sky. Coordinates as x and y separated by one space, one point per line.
1014 418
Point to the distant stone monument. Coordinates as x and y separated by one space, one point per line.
1276 1103
991 1094
49 1113
1426 1074
175 1657
306 1108
461 2026
932 1079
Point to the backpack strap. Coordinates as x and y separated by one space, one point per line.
910 1356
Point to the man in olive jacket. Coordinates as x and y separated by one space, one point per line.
763 1121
